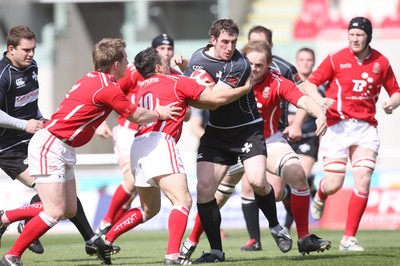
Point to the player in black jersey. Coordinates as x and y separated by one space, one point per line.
234 131
20 118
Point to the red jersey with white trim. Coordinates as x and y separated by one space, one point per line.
86 106
130 84
168 89
269 93
354 86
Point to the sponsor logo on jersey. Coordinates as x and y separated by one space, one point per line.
23 100
347 65
20 83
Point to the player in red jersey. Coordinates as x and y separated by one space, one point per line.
270 88
155 160
355 76
51 152
124 132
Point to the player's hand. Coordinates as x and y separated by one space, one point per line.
387 107
327 103
293 132
104 130
322 126
169 111
180 61
33 126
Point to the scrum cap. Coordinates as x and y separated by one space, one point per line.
362 24
161 40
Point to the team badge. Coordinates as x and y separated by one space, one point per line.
376 68
266 92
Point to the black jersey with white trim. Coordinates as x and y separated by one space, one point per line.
233 73
19 91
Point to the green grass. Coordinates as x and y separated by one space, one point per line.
148 248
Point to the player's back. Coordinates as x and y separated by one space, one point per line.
168 89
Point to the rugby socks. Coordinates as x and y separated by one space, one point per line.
251 216
81 223
177 223
131 219
115 211
300 208
210 217
197 231
321 193
22 213
267 205
33 230
357 204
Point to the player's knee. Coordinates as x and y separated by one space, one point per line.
364 163
225 190
287 162
335 168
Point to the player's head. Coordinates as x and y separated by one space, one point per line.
305 61
109 56
359 34
164 44
260 57
21 45
362 24
223 35
260 33
150 62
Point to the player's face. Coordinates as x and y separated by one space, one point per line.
224 46
357 40
22 55
304 63
121 67
164 67
259 66
167 51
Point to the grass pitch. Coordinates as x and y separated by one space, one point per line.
148 248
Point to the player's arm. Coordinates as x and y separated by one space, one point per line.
296 121
30 126
220 94
314 109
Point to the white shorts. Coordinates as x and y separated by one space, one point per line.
273 142
123 139
50 159
341 136
154 154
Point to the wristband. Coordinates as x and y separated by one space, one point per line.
159 115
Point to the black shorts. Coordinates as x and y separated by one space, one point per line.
307 146
14 161
225 146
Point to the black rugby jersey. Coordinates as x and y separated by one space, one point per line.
234 73
288 71
19 91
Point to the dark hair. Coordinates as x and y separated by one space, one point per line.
362 24
17 33
259 47
146 61
106 52
261 29
223 25
306 49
